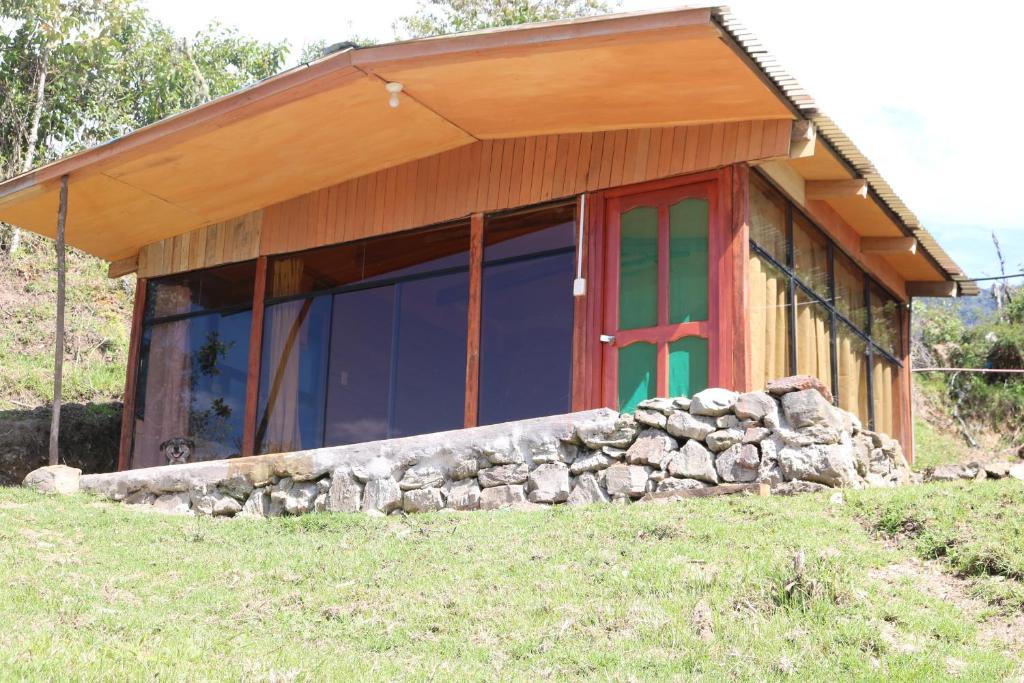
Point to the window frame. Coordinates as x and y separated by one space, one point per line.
794 282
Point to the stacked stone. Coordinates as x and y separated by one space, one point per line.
790 436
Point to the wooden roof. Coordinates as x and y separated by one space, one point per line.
329 121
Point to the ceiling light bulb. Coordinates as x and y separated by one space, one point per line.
394 89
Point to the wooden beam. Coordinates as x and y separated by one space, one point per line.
123 267
833 189
58 350
802 139
888 245
131 377
944 289
476 258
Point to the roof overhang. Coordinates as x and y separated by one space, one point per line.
329 121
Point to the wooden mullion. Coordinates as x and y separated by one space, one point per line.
579 315
252 380
131 377
476 257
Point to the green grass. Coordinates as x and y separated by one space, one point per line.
96 591
934 447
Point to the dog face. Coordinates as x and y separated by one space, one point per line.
178 450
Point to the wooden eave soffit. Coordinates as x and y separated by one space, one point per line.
938 289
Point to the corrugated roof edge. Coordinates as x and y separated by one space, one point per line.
844 148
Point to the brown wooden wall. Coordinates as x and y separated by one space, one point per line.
235 240
499 174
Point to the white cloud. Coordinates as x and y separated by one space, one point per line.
925 89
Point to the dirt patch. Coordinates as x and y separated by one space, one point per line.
1004 633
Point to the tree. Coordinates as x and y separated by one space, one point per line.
76 73
438 17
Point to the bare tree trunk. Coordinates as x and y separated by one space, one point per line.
201 83
33 132
58 353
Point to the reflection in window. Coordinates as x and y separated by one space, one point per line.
850 291
768 220
852 358
527 314
885 395
191 386
810 256
769 322
885 320
813 339
688 261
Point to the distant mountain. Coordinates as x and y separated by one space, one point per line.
971 310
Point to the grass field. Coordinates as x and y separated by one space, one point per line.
693 590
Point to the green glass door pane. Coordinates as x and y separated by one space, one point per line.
687 366
637 374
688 260
638 260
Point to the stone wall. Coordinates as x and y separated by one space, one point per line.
790 437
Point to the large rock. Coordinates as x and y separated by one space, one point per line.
650 418
738 464
792 488
780 387
300 497
619 434
808 408
1017 472
713 402
463 495
652 447
665 406
497 497
464 467
503 475
626 480
549 483
952 472
592 462
755 405
723 438
832 465
382 495
421 476
686 426
693 461
59 479
423 500
587 491
214 503
174 503
256 505
673 484
345 493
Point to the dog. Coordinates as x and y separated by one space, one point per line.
178 450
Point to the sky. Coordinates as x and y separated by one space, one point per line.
924 89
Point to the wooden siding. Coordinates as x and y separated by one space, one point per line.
235 240
492 175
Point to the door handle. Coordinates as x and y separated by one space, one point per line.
607 339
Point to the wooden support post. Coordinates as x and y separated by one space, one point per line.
132 377
476 258
888 245
944 288
123 267
836 189
58 351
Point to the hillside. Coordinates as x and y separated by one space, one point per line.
644 592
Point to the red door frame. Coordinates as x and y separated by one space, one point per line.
727 253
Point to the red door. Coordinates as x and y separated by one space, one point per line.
660 309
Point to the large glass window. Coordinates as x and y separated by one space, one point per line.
190 395
526 321
380 354
814 311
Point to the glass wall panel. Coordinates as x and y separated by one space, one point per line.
359 379
810 256
769 322
429 386
852 357
886 328
813 339
191 387
687 366
688 261
638 258
293 375
637 374
527 313
204 290
885 386
768 220
850 291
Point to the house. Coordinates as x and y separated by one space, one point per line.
476 228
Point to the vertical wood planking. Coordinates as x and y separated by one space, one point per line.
131 377
476 257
